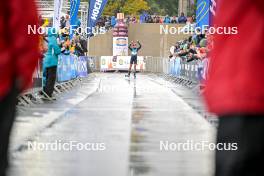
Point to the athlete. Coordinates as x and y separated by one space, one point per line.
134 52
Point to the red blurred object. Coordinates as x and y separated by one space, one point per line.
236 76
18 50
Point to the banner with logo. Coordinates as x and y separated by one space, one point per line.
75 4
57 13
82 70
120 46
109 63
203 13
70 67
96 8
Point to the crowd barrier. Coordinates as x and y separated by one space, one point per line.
70 70
187 73
71 67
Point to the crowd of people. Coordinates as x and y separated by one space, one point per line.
182 19
195 48
56 42
110 21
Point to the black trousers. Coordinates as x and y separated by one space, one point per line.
7 117
50 74
248 132
133 60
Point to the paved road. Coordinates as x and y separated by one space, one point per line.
130 119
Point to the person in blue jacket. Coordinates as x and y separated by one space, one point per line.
50 63
182 19
113 21
167 19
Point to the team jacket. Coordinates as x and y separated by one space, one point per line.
18 50
134 51
236 75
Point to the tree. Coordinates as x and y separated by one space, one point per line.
134 7
112 7
164 7
125 6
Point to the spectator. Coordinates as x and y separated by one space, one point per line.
182 19
18 59
128 20
167 19
174 20
113 21
67 21
134 20
80 46
142 18
160 20
62 22
50 64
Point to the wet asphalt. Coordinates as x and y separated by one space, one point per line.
129 125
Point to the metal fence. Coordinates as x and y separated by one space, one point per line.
70 71
183 72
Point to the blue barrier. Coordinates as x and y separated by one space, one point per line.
71 67
82 70
195 71
175 66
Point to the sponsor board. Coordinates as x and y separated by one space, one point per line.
109 63
120 46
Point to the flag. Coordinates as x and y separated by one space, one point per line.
74 11
205 12
57 13
96 8
75 4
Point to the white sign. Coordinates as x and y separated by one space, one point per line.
120 63
120 46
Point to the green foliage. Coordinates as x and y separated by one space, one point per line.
131 7
112 7
163 7
134 7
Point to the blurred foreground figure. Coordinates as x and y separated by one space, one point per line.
18 58
235 89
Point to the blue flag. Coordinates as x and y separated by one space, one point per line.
205 12
96 8
75 4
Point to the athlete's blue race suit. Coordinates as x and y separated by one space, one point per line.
134 53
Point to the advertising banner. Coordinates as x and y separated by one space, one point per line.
82 70
70 67
105 62
96 8
120 46
120 63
